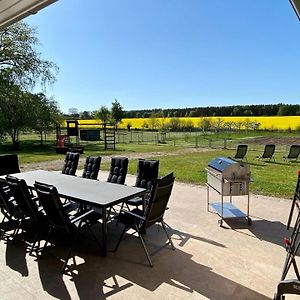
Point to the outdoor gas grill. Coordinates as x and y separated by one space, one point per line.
228 178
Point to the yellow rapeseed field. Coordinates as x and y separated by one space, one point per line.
270 123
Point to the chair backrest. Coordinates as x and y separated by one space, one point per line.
118 170
53 207
91 167
294 151
269 151
6 206
70 163
9 164
159 199
147 173
22 196
241 151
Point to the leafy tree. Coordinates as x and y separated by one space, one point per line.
218 124
103 114
73 113
117 112
205 124
15 110
175 124
20 62
153 121
47 115
85 115
193 113
238 125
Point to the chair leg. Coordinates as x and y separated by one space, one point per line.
120 239
5 228
144 246
69 252
46 242
17 230
165 229
34 242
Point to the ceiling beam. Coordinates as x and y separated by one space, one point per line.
12 11
296 6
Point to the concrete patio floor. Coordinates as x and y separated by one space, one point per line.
210 262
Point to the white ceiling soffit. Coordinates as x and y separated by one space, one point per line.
296 6
12 11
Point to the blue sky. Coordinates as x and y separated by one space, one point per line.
171 53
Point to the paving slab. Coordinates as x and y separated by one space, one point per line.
236 261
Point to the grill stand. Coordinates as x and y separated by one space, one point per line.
226 210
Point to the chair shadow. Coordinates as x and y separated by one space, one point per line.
95 277
184 237
99 278
16 256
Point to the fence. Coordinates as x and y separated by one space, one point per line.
193 139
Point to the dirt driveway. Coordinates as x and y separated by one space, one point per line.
56 165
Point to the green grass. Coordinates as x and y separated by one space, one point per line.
269 178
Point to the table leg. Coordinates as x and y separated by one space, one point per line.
104 232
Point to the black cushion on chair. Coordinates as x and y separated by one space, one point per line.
9 164
71 163
91 167
147 173
118 170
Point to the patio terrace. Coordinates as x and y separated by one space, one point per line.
237 262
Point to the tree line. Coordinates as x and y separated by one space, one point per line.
279 109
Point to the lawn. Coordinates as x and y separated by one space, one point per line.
269 178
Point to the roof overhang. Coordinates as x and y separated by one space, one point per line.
296 7
12 11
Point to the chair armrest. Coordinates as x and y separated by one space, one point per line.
132 214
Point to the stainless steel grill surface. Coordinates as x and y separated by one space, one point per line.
228 177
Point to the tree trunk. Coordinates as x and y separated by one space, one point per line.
41 140
14 138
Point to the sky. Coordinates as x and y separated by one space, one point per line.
171 53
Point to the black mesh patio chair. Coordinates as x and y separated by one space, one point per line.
91 167
118 170
147 174
70 163
8 208
27 205
9 164
140 220
293 153
268 152
241 152
60 220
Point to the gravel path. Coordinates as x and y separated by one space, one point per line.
56 165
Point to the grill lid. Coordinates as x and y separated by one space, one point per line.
221 163
230 169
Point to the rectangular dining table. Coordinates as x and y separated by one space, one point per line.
100 194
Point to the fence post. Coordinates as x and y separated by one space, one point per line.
225 144
174 140
196 142
209 143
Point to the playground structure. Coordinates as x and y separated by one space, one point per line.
76 129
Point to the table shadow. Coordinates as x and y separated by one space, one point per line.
99 278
